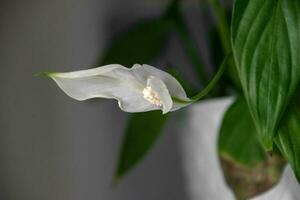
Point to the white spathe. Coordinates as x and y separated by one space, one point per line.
138 89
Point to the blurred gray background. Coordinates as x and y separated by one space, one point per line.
53 147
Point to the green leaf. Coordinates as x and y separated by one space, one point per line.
238 137
288 140
142 132
266 46
140 44
247 168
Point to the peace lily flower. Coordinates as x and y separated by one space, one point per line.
138 89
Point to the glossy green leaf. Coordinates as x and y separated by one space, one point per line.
266 46
142 132
288 140
238 137
247 169
140 44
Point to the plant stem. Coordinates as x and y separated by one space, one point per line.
223 26
191 50
211 85
173 12
224 32
215 79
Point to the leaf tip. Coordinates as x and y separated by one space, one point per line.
116 180
44 74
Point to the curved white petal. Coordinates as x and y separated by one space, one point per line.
125 85
111 81
162 91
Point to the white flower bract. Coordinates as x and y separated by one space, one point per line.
138 89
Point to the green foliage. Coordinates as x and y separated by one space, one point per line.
288 139
142 132
247 168
265 39
238 137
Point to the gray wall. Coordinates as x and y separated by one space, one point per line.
52 147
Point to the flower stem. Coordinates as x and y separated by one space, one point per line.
210 85
215 79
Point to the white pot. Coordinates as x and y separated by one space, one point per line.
198 141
